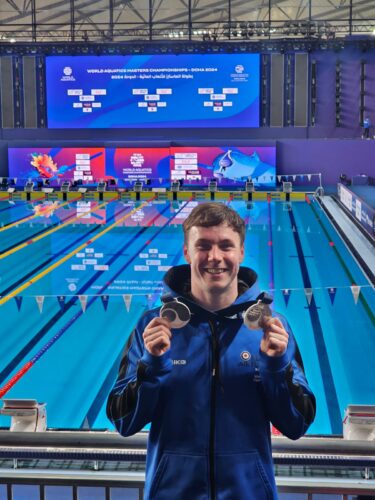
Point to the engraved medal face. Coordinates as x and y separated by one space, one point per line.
257 315
176 313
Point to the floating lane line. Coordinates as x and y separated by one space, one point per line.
15 201
49 269
13 205
42 264
30 217
321 348
47 233
37 233
271 283
7 370
46 347
102 394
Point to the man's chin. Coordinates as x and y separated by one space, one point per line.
217 288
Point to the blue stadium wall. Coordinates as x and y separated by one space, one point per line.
324 146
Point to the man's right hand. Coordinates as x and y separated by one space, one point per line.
157 336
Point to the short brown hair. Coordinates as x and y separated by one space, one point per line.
214 214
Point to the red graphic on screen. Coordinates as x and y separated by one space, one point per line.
45 165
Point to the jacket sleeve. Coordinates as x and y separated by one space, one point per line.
135 395
289 400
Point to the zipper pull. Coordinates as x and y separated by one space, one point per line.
257 377
213 372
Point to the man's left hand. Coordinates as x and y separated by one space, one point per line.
275 338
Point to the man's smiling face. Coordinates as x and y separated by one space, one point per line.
214 254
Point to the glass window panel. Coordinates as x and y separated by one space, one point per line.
124 494
58 492
90 493
25 492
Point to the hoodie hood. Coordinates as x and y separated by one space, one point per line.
177 283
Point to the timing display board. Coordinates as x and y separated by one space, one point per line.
153 91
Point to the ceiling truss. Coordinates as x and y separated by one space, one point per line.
137 20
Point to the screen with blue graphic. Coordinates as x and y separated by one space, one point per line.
229 166
153 91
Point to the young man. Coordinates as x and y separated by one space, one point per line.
212 388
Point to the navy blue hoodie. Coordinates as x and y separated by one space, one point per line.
211 400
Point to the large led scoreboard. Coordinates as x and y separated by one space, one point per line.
153 91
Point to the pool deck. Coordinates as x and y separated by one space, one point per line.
362 245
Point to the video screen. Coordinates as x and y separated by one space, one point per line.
139 164
153 91
86 165
228 165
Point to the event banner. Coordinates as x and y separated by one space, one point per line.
195 166
153 91
357 207
139 164
228 165
57 164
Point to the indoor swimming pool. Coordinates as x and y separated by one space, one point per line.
75 277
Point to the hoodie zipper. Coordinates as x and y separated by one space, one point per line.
215 366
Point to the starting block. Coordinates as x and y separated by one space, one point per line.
359 422
27 415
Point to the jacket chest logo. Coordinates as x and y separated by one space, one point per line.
244 358
179 361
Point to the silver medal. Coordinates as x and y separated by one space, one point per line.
257 315
176 313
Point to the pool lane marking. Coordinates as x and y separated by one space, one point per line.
97 404
361 298
14 201
41 265
30 217
45 329
47 233
271 284
50 259
57 316
46 347
43 231
9 207
49 269
332 402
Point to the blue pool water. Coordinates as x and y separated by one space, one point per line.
114 255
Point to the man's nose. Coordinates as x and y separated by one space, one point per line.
214 253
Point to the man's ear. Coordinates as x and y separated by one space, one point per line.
186 254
